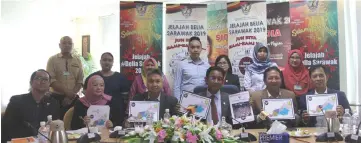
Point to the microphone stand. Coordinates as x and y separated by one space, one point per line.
85 138
36 131
328 136
351 138
244 136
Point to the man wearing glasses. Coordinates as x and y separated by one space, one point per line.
66 73
25 112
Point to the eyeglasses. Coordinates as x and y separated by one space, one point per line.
42 79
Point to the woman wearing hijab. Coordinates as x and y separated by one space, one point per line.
140 82
95 95
296 76
253 78
224 62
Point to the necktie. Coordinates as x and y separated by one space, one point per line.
214 110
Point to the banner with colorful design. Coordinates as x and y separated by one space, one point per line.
247 24
140 35
314 30
182 22
279 32
217 31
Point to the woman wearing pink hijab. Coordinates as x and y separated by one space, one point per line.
95 95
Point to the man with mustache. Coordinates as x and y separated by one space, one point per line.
319 78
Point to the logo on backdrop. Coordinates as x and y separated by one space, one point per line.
186 11
141 9
313 5
246 8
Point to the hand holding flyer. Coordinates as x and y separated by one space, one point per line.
319 102
241 108
98 114
201 104
279 108
139 110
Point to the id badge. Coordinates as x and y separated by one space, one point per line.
297 87
66 73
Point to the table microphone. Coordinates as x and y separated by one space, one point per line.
118 132
89 137
244 136
328 136
354 138
36 131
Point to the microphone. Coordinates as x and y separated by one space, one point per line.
244 136
355 138
27 124
89 137
328 136
118 132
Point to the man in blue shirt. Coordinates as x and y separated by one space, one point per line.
319 79
191 71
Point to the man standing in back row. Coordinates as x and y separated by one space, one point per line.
66 73
191 71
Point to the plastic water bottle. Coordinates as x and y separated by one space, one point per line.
50 119
321 125
225 125
355 122
347 123
149 119
166 114
43 130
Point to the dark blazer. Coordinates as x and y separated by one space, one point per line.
342 100
166 102
226 110
80 110
256 101
23 110
232 79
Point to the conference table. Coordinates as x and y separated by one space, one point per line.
105 136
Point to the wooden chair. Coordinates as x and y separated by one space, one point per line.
67 118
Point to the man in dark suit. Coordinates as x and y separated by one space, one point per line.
155 93
219 100
25 112
318 75
273 80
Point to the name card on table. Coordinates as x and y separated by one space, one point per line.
274 138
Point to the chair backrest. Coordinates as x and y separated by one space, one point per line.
67 118
230 89
199 89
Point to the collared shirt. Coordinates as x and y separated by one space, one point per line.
218 102
320 93
68 72
189 74
269 94
158 98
